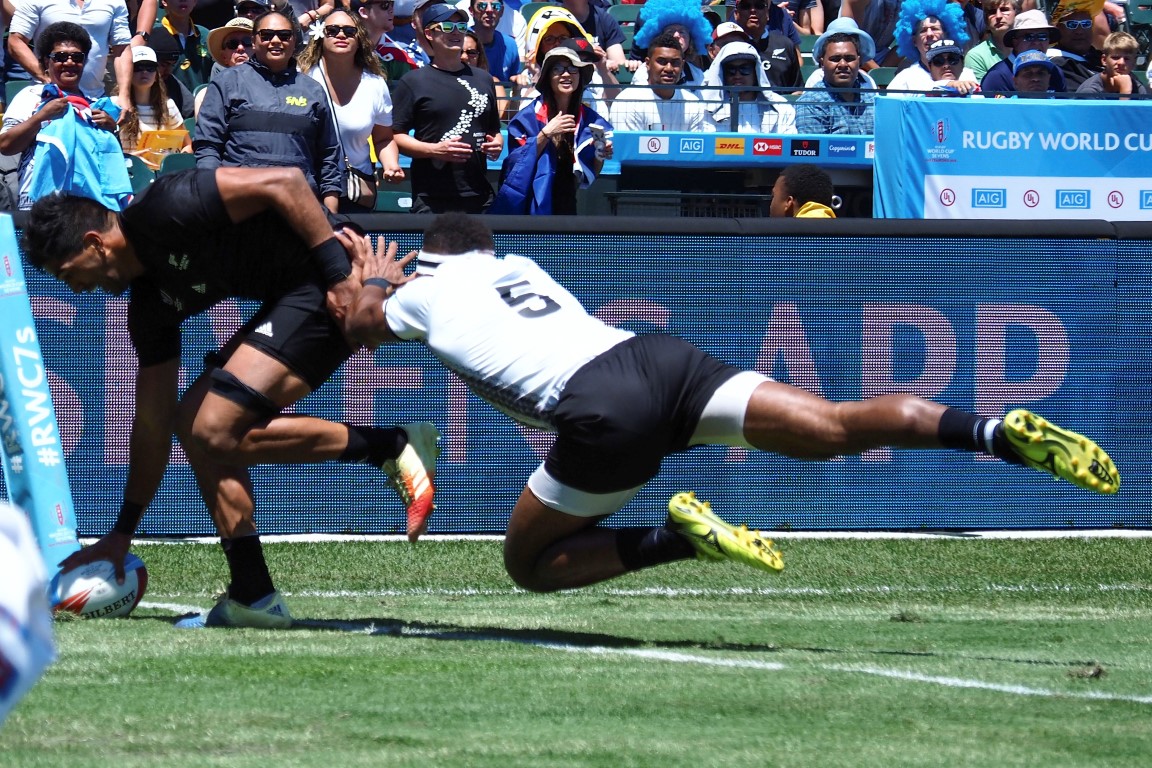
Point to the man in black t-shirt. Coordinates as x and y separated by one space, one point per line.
191 240
451 110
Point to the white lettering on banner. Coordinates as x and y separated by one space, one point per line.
1063 142
1080 142
996 140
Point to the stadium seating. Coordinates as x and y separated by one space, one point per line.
138 172
528 10
882 75
626 15
13 87
177 161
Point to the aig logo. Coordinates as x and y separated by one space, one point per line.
691 146
296 101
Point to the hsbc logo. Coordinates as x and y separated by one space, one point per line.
691 146
768 147
805 148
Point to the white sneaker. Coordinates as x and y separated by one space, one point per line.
269 612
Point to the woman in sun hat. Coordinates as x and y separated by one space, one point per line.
552 150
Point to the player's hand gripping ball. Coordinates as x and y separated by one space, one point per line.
91 590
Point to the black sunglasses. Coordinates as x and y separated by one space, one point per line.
60 57
283 35
334 30
144 66
236 42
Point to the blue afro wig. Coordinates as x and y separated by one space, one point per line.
912 12
658 14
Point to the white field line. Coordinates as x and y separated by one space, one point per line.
941 535
677 592
688 658
950 682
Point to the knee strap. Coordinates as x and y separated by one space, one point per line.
225 384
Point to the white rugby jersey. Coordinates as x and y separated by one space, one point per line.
512 333
26 647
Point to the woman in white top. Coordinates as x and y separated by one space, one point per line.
343 61
152 110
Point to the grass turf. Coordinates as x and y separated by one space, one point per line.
862 653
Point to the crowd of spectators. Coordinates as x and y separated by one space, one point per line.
343 88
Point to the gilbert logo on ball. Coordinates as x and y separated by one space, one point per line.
91 590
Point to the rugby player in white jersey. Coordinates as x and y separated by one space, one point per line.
619 403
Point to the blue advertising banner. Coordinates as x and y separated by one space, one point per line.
742 150
30 441
1013 159
845 317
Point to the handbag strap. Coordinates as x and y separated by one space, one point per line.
332 109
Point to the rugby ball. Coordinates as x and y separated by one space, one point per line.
91 590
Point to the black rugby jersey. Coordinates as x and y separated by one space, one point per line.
194 256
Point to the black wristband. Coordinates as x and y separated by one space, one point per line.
333 260
129 518
379 282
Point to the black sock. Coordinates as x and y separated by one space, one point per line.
373 445
969 432
644 547
250 578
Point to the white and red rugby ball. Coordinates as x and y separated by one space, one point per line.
91 590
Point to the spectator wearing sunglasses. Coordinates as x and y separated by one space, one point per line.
151 110
747 105
195 65
1030 32
379 19
552 148
265 112
229 46
106 22
759 18
499 48
343 62
1076 57
451 110
64 48
922 24
836 105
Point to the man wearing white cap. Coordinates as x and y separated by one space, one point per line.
833 106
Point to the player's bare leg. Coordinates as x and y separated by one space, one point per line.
786 420
546 550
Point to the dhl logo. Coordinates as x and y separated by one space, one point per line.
729 146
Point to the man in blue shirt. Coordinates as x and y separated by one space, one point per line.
834 106
499 48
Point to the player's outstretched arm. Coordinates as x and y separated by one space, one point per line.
149 448
381 273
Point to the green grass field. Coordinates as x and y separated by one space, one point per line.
887 653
